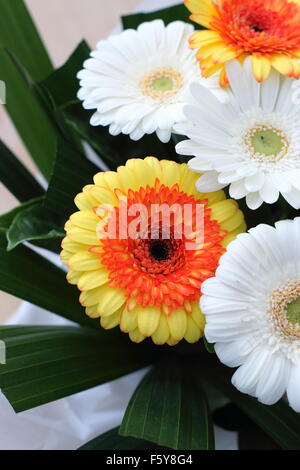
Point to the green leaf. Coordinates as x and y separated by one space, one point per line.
63 83
48 363
209 346
279 421
170 409
7 219
34 223
29 276
16 177
26 113
72 171
111 440
19 34
177 12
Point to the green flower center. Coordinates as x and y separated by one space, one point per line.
266 144
293 312
162 84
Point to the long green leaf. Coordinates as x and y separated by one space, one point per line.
169 408
278 421
47 363
19 34
72 171
34 223
26 113
25 274
16 177
111 440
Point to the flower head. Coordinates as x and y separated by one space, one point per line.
139 268
251 143
267 30
138 81
252 310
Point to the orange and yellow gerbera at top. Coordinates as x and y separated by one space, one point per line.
149 284
267 30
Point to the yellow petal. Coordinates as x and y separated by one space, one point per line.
128 178
172 341
110 299
129 321
286 66
200 6
178 323
85 219
92 297
111 321
223 210
112 180
148 320
170 173
142 171
73 247
103 196
202 38
86 237
198 316
84 261
82 202
232 235
162 333
73 277
193 332
92 311
93 279
136 336
261 67
233 222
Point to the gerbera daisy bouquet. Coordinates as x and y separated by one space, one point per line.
165 224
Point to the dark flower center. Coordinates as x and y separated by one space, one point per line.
159 250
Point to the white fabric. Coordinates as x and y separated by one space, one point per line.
69 423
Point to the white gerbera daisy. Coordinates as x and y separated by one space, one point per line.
138 81
251 143
252 310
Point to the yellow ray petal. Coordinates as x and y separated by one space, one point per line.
85 219
86 237
162 333
261 67
224 210
178 323
136 336
84 261
129 321
193 332
111 321
73 277
148 320
198 316
93 279
110 299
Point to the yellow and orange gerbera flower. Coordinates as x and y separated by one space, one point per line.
150 283
267 30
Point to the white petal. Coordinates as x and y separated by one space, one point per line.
293 388
234 354
254 200
247 376
164 135
209 182
268 192
273 380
